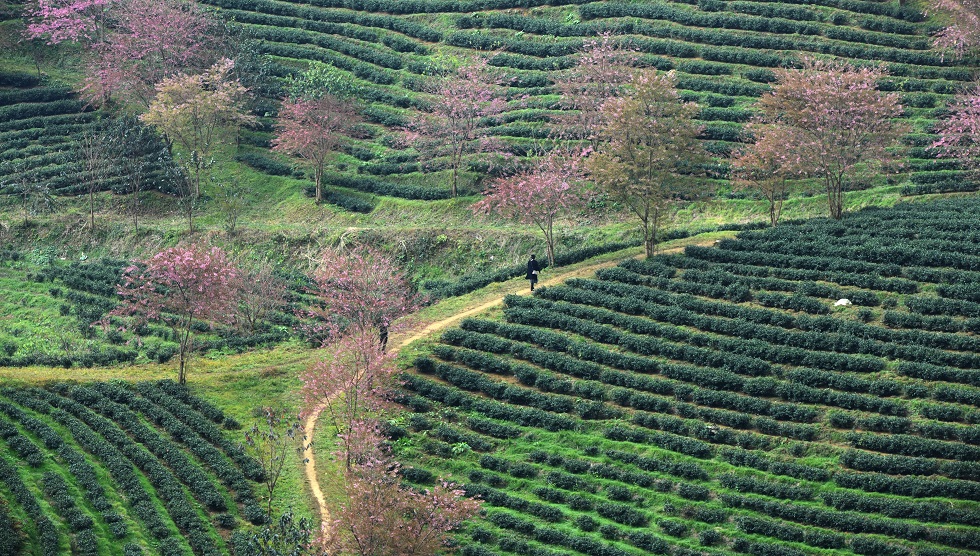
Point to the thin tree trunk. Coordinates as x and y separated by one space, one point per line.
185 345
455 179
835 196
549 236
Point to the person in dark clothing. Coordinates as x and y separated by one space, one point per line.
533 268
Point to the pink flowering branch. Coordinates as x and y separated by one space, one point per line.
541 195
381 517
603 68
359 289
834 121
963 33
313 129
178 286
959 134
150 40
58 21
458 124
352 384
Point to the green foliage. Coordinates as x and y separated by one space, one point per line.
138 434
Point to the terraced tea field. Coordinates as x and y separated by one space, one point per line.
385 53
718 402
723 53
116 468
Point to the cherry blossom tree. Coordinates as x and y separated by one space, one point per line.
178 286
149 40
462 106
602 69
381 517
835 121
539 195
650 156
261 293
313 129
963 33
57 21
359 289
959 133
353 385
197 112
766 167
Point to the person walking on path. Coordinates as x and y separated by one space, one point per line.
533 268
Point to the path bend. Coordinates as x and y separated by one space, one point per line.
426 329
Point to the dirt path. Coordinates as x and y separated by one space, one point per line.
418 332
424 329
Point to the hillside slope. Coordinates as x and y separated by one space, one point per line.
720 401
722 51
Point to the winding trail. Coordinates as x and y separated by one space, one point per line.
425 329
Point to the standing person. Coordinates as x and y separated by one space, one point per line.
533 268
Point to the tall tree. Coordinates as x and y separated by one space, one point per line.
140 152
359 289
650 156
834 120
93 152
766 167
551 188
352 385
197 112
313 129
379 516
603 67
959 133
270 441
463 105
149 41
963 33
178 286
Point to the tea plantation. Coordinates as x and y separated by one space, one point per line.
118 468
718 402
384 51
56 317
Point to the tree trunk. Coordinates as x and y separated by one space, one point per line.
185 346
91 205
650 224
549 237
835 196
455 180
